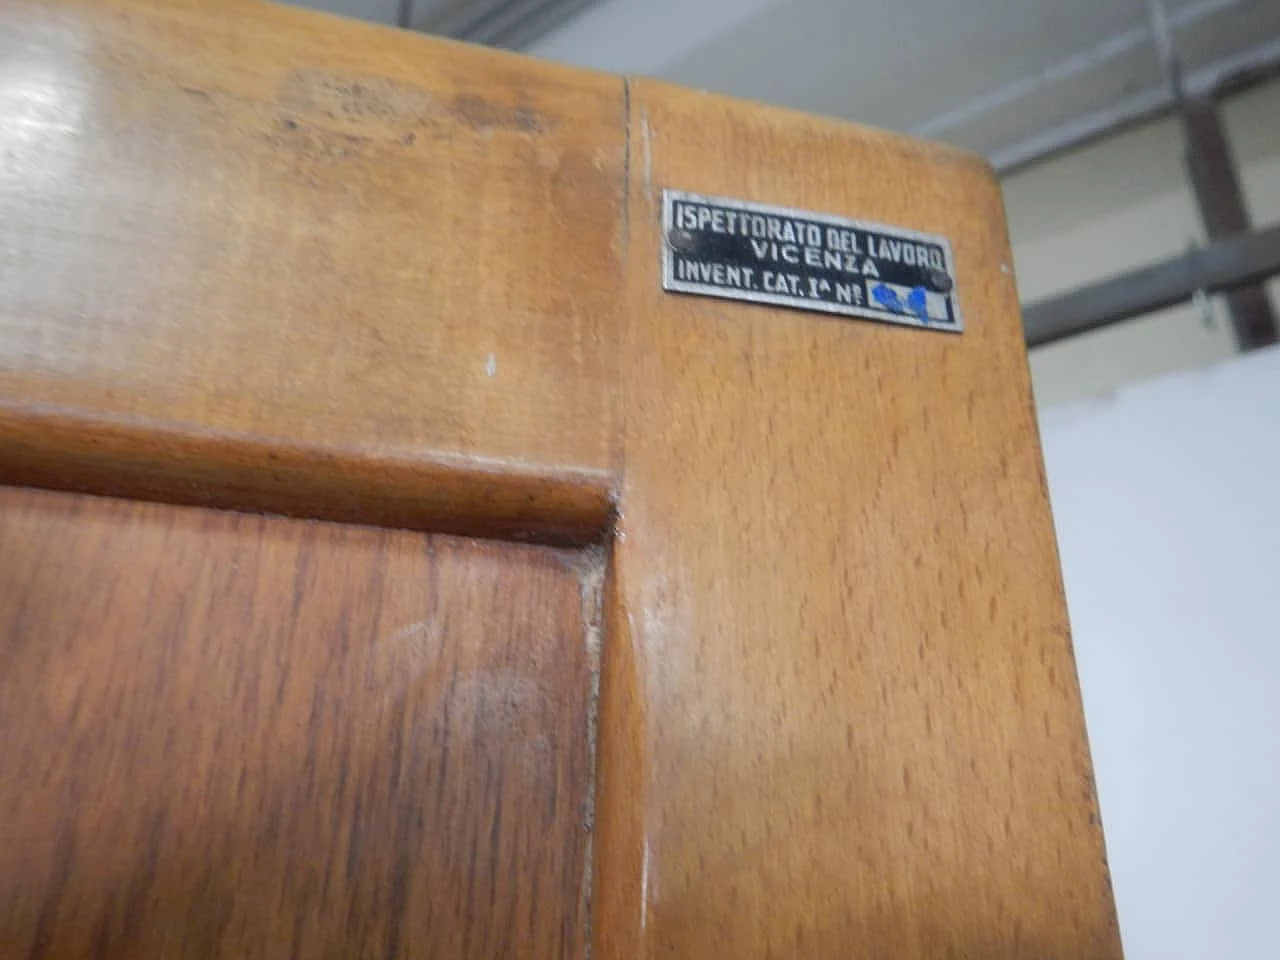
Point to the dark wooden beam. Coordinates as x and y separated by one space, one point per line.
1239 261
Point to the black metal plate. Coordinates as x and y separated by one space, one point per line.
808 261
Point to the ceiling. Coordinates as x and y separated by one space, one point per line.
972 73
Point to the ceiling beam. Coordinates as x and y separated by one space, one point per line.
1224 265
1079 63
1216 185
1229 75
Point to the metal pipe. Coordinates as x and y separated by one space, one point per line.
1215 183
1227 75
1162 36
503 23
1224 265
509 25
1096 56
459 17
535 27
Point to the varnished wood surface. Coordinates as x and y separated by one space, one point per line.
227 227
230 736
840 715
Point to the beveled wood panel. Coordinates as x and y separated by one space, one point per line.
232 736
247 226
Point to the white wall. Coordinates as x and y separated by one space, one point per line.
1121 204
1166 495
1167 502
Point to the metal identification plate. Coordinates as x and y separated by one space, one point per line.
809 261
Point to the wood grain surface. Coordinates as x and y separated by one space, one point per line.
257 257
230 736
840 714
230 227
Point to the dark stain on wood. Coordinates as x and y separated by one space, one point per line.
483 114
378 103
361 99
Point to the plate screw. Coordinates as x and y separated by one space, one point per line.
939 280
681 241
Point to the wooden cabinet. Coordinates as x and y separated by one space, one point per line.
760 652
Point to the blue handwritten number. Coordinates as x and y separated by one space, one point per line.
916 303
887 298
